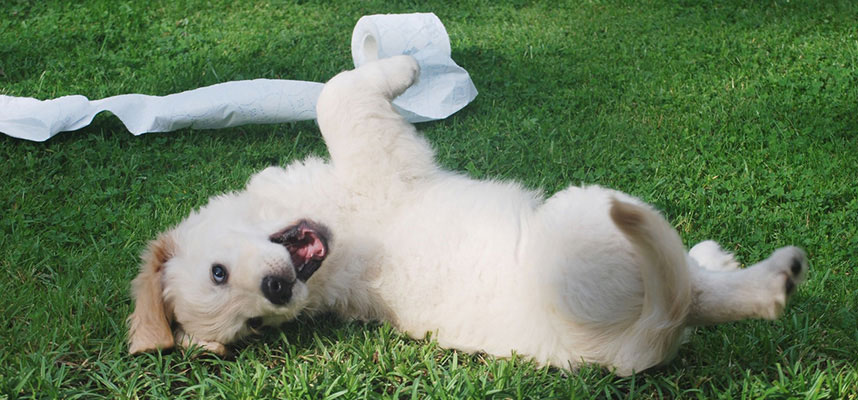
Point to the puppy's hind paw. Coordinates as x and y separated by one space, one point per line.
791 261
787 267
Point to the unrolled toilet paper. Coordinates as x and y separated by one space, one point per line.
442 89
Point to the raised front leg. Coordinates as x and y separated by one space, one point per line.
760 291
370 143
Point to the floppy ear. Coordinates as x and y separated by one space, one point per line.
149 324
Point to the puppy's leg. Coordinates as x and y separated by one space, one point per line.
710 256
760 291
366 137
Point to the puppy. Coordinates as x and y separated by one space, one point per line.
589 275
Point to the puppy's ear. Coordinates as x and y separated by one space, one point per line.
149 324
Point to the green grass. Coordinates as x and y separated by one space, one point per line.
738 119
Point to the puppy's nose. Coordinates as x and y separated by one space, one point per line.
277 289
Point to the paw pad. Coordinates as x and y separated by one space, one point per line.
790 286
796 266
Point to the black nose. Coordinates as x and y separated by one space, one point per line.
277 289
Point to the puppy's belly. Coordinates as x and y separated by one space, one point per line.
478 266
456 265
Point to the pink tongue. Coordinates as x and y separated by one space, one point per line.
308 247
314 247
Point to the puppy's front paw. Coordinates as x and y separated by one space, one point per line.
787 268
187 341
401 72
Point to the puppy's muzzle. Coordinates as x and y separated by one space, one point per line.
277 289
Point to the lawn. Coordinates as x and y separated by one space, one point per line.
738 119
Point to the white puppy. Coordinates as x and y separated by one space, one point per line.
588 275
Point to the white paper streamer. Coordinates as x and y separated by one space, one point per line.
442 89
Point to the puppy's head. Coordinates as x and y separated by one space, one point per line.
222 273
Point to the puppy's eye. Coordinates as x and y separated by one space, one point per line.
219 274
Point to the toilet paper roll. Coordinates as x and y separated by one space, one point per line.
442 89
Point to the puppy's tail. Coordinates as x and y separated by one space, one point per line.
666 280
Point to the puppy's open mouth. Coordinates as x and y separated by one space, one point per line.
307 243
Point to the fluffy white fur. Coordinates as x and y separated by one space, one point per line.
588 275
